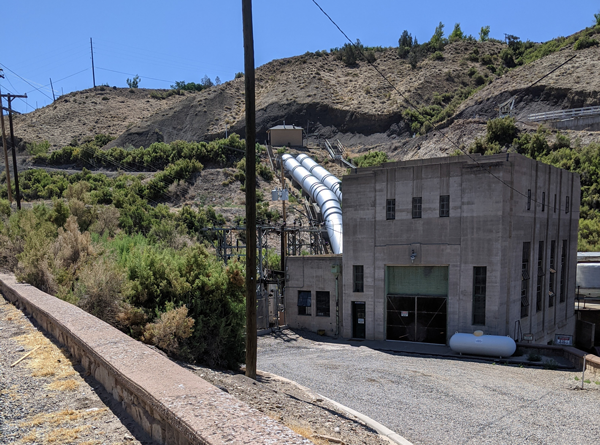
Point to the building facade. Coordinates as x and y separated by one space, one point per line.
286 136
457 244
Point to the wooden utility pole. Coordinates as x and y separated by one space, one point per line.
5 150
93 72
283 238
9 98
250 190
52 88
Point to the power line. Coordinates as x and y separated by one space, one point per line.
64 78
26 81
141 76
426 118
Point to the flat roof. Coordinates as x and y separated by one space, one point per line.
285 127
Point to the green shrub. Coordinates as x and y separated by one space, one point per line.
239 75
457 34
484 34
437 56
502 130
135 82
533 357
371 159
585 42
37 148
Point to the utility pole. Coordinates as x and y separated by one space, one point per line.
283 239
93 72
52 88
9 98
7 169
251 341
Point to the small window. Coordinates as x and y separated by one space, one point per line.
322 304
543 201
444 206
525 280
552 282
563 272
390 209
529 199
539 294
555 203
479 290
304 302
417 204
358 274
567 208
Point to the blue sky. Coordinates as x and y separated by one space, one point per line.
165 42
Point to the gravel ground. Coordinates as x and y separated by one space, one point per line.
440 401
45 399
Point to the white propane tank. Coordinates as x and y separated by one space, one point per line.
479 344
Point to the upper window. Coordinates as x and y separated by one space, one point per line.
525 280
567 208
529 199
390 209
444 206
555 203
304 302
417 204
358 274
479 291
323 304
543 201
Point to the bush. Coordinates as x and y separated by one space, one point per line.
437 56
437 40
99 290
484 34
457 34
37 148
239 75
371 159
135 82
172 327
502 130
585 42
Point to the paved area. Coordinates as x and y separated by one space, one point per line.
440 400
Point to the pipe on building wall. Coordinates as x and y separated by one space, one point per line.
330 181
326 199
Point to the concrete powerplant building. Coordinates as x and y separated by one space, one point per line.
436 246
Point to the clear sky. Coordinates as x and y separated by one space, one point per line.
168 41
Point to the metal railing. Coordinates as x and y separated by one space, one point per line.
564 114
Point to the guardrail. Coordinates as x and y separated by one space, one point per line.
564 114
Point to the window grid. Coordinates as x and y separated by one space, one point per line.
358 274
552 282
323 304
304 302
444 206
479 291
563 271
525 280
539 296
417 204
390 209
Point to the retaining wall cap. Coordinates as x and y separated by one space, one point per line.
212 414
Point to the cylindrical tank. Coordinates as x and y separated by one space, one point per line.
588 275
330 181
488 345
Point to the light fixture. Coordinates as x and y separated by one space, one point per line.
413 256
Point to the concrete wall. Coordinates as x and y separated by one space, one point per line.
287 137
312 273
488 223
173 405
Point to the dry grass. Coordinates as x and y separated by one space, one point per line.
64 416
64 385
308 433
30 438
47 361
64 435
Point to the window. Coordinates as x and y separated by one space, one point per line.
417 204
525 280
529 199
552 273
358 276
322 304
479 285
539 295
303 302
563 271
444 206
390 209
543 201
555 203
567 206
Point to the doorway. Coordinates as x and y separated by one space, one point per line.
358 319
416 318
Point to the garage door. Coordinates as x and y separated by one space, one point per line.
417 303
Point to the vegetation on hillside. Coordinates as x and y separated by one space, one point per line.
558 150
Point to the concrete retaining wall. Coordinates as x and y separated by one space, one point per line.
173 405
574 355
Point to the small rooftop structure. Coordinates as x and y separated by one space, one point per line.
286 135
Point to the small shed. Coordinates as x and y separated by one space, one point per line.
286 135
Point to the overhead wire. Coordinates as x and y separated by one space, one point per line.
427 119
26 81
141 76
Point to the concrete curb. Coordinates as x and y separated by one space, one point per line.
381 430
